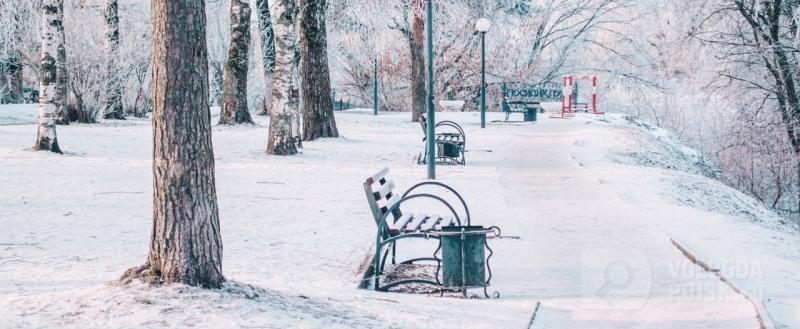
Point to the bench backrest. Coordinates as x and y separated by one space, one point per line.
381 197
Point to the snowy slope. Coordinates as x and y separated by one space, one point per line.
297 229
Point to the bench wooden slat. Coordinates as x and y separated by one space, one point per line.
385 189
422 223
385 204
431 224
398 225
449 221
411 225
380 175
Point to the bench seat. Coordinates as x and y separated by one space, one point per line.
411 223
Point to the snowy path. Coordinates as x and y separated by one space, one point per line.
577 223
594 243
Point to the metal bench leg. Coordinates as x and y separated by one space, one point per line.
376 267
394 253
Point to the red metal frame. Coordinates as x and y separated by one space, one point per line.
568 107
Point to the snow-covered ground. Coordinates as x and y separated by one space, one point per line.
596 204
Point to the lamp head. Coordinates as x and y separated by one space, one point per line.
483 25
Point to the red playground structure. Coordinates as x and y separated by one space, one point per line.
570 103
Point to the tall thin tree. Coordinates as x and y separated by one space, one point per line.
113 91
62 78
416 42
52 26
284 123
267 38
186 246
317 104
11 62
234 95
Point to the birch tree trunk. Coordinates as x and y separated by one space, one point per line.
416 43
283 126
267 38
317 105
113 89
52 23
62 78
186 246
234 95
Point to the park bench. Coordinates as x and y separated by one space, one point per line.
528 99
396 224
528 109
450 141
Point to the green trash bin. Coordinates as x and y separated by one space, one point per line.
450 151
463 257
530 114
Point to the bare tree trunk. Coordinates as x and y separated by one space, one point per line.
417 40
186 246
217 82
11 79
62 78
283 126
234 96
11 67
267 38
52 22
317 105
113 91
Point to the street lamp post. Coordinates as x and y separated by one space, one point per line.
375 90
482 26
431 110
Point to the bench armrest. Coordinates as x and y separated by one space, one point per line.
416 196
463 203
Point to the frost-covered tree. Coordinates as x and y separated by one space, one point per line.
757 41
11 66
52 25
186 246
113 86
317 105
285 115
234 96
62 78
267 39
414 34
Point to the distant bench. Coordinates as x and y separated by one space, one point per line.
527 99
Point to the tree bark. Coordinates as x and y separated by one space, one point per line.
417 40
283 127
186 246
113 89
62 78
234 95
11 67
217 82
317 105
11 79
267 38
52 22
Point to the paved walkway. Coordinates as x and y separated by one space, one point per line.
591 249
